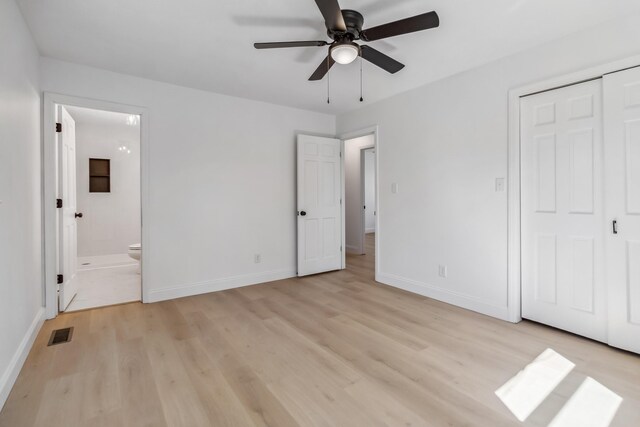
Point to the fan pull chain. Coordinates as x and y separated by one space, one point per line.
361 98
328 82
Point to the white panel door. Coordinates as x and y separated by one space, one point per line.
319 208
562 210
68 235
622 198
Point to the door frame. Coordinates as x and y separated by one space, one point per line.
50 180
514 282
370 130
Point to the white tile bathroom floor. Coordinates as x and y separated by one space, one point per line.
106 280
102 261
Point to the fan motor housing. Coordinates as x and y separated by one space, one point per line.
354 22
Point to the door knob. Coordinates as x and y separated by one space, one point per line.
78 215
302 213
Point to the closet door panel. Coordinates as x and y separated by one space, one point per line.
622 201
562 209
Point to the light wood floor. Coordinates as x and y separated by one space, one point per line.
329 350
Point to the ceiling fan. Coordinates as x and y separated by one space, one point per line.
345 26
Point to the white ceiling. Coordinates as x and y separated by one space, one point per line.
99 117
208 44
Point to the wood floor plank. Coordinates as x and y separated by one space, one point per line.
417 370
113 418
100 385
140 402
180 402
382 405
128 322
335 349
61 403
218 399
314 402
262 405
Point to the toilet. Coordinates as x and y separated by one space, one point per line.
135 251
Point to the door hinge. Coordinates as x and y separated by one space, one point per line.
60 279
58 203
58 127
340 248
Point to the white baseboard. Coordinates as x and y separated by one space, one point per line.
10 375
454 298
225 283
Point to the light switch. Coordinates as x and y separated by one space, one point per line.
394 188
499 185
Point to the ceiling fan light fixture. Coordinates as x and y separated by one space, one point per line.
345 52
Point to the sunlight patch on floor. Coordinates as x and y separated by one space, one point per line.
523 393
592 405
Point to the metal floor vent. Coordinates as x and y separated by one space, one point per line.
60 336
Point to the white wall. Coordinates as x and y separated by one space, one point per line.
20 205
111 221
445 144
370 191
221 177
353 192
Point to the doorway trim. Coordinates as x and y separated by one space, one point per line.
50 179
514 278
371 130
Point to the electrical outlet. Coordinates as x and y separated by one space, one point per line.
499 185
442 271
257 258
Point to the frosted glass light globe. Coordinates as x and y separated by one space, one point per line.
344 53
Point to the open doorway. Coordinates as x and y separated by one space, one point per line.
360 202
369 189
99 218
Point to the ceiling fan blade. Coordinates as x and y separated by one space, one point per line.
333 19
380 59
322 69
276 45
403 26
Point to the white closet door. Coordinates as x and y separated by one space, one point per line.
562 209
319 209
622 154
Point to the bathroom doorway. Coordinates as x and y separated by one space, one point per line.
99 207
